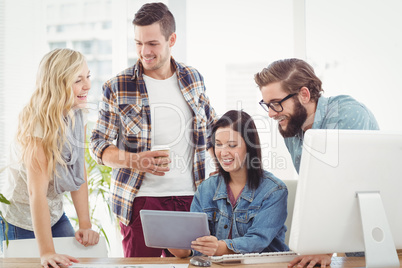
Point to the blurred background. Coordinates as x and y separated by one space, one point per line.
354 46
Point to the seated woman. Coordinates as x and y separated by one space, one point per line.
48 159
246 206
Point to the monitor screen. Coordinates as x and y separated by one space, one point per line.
349 179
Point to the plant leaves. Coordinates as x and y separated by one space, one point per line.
99 180
4 200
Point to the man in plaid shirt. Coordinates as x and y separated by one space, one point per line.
156 102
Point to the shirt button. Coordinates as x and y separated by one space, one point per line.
226 226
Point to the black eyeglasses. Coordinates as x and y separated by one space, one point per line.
275 105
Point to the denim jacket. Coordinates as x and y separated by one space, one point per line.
257 220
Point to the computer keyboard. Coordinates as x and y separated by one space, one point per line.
249 258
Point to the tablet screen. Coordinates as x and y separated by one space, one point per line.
172 229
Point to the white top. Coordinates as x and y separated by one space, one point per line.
15 190
18 212
171 126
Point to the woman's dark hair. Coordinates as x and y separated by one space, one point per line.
243 123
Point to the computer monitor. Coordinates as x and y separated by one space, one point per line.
349 195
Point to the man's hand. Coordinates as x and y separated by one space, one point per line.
310 261
150 162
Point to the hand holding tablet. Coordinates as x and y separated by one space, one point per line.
173 229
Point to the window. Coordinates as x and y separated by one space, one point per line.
104 47
84 46
106 25
53 45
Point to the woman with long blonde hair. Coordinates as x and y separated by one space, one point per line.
48 159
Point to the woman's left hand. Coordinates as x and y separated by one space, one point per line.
207 245
87 237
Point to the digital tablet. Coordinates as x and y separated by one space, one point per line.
172 229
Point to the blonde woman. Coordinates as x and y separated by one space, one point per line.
48 157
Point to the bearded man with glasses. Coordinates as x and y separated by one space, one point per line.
292 95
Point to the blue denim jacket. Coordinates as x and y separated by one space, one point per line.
258 219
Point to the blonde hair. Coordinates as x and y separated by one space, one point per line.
50 107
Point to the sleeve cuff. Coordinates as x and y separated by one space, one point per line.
98 152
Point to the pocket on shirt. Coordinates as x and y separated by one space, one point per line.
245 220
131 119
213 219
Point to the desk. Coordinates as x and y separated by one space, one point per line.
35 263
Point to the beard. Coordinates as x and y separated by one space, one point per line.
295 121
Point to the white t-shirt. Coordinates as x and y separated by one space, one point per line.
171 126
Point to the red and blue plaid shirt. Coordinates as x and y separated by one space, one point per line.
124 115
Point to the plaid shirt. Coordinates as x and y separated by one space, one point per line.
124 114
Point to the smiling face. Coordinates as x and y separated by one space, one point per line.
294 114
230 150
81 87
154 50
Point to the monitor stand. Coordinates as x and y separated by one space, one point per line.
380 248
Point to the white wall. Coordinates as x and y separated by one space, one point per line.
356 49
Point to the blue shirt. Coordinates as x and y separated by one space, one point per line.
339 112
257 220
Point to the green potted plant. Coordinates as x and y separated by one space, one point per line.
5 201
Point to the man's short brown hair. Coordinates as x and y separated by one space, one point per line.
293 74
156 12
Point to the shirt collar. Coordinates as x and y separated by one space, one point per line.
220 193
139 69
320 112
